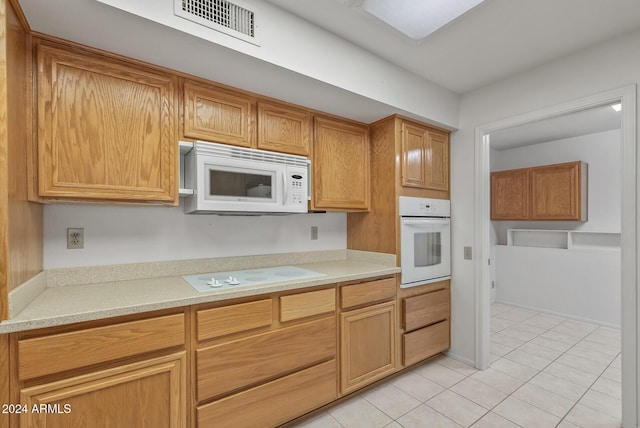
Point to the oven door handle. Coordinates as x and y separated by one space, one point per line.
427 221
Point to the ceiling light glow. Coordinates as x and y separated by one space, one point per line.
418 18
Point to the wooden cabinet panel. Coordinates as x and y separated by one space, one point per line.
437 161
284 128
414 156
367 292
425 157
426 342
273 403
340 165
548 192
217 115
425 309
558 192
50 354
302 305
225 320
510 195
248 361
106 129
150 393
367 346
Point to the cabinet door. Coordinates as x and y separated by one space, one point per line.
368 345
218 115
556 192
284 128
340 165
510 195
150 393
414 156
437 161
106 129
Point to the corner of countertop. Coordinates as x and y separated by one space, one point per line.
25 293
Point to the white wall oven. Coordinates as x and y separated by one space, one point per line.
425 240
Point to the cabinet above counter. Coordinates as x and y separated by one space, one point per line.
107 128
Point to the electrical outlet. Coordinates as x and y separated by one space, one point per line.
314 233
75 238
467 253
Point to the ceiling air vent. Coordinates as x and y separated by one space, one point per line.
220 15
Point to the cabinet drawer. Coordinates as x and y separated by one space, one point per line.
273 403
248 361
424 343
420 311
367 292
60 352
218 322
304 305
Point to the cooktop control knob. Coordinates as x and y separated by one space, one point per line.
214 283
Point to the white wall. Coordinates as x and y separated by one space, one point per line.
296 60
609 65
581 284
601 151
129 234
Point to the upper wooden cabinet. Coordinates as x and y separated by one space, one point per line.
549 192
425 157
106 128
218 115
510 198
340 165
284 128
559 192
408 158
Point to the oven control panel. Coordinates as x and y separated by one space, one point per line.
424 207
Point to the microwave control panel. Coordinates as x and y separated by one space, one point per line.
297 189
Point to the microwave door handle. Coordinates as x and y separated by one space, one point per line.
427 221
284 186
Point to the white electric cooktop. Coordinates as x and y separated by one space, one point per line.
247 278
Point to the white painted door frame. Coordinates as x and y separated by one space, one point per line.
630 186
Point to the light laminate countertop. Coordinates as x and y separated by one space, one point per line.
59 305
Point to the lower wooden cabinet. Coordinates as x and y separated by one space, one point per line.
273 403
368 345
260 361
247 361
425 342
425 321
149 393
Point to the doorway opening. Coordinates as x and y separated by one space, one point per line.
628 238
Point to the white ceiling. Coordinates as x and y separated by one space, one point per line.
496 39
590 121
491 42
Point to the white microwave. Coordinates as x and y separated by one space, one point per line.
236 180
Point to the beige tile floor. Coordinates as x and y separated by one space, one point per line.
546 371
